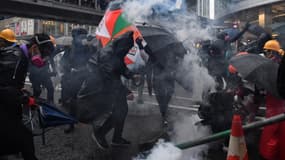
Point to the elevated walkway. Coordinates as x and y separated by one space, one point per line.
51 9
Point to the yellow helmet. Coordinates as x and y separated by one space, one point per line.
272 45
8 35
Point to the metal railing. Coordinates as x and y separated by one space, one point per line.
226 133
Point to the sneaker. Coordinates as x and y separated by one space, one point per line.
100 141
120 142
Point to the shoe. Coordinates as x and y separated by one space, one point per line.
70 129
120 142
100 141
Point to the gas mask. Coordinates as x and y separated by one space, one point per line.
38 51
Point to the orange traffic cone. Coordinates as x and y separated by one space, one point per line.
237 147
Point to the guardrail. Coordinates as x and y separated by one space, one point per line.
226 133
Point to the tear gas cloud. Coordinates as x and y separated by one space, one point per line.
163 151
186 26
184 129
190 73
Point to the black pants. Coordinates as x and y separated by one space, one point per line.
16 138
44 80
163 84
117 119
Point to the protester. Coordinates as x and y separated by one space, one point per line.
256 46
41 76
14 60
218 54
74 63
103 91
272 140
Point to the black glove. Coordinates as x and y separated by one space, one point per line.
139 43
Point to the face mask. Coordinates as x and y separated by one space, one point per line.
38 61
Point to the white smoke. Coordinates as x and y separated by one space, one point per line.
163 151
138 10
193 76
186 129
187 28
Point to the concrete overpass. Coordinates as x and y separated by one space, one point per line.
52 10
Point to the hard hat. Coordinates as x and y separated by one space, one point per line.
8 35
232 69
272 45
52 39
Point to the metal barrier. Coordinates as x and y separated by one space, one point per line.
223 134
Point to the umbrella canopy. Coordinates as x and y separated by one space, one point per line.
258 70
64 41
51 116
113 25
163 44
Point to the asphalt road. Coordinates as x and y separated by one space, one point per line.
143 127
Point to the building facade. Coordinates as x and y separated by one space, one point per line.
210 8
28 27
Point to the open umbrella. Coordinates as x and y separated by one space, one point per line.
258 70
114 24
163 44
64 41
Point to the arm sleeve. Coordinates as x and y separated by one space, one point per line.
238 35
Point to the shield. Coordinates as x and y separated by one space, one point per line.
64 41
258 70
164 46
51 116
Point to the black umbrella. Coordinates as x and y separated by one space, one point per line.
162 43
258 70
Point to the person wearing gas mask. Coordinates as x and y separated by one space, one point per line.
39 70
14 61
74 63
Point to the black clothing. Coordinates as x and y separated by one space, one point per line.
73 64
41 77
15 137
105 88
218 112
13 67
262 37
